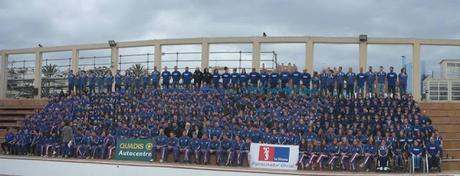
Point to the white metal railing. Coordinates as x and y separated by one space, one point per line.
442 89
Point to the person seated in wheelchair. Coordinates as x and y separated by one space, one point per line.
416 152
433 150
382 159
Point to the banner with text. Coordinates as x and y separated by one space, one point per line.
271 156
134 149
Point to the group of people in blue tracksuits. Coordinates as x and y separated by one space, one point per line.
330 81
194 121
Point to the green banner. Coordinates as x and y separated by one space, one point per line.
134 149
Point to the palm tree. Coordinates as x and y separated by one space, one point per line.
49 70
137 69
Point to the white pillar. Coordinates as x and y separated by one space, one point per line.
75 60
157 56
38 73
309 56
114 63
114 60
363 55
204 55
256 55
3 75
416 76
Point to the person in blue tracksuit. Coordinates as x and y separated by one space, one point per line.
166 76
91 82
274 79
226 77
351 79
306 78
216 78
83 81
108 82
416 151
345 152
195 147
361 80
70 82
184 146
173 146
84 146
434 154
381 78
214 147
334 152
225 149
402 82
243 153
176 75
118 81
100 80
7 145
187 78
264 77
370 81
243 78
296 76
323 82
155 75
204 149
235 77
96 146
356 152
161 145
392 78
234 155
145 80
285 76
330 82
370 151
127 80
382 160
254 76
340 81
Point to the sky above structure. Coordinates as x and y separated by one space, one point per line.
24 24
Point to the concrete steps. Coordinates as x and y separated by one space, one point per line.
445 117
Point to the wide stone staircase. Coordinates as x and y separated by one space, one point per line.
445 117
13 112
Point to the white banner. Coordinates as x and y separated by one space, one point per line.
272 156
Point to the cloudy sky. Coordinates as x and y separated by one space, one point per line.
55 22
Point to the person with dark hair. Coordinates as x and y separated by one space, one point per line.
118 81
351 79
216 78
176 75
109 82
70 82
155 78
197 78
254 76
67 136
370 82
226 78
10 140
207 77
187 78
166 76
402 77
392 78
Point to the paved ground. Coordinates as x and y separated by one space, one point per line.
213 167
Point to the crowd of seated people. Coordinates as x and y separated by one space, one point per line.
339 120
